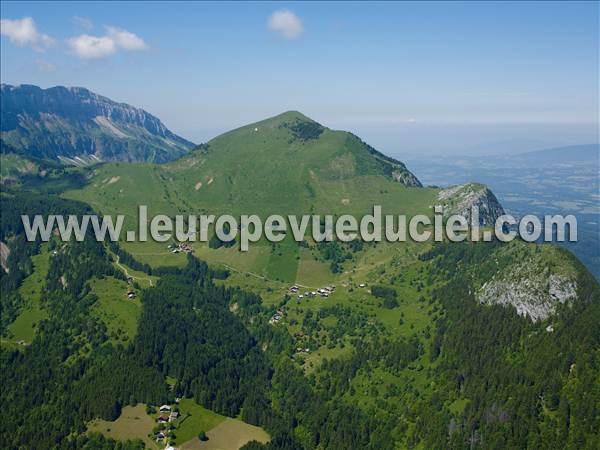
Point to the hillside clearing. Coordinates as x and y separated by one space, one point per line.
23 328
119 313
231 434
133 423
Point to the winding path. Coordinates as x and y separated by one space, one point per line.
124 269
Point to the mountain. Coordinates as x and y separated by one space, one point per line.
77 125
287 164
287 161
379 345
459 200
568 154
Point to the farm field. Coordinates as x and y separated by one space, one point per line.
194 419
133 423
230 434
224 433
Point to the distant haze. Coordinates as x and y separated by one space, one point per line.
422 139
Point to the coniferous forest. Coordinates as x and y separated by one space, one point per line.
526 387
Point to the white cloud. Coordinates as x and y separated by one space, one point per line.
115 39
286 24
125 39
92 47
23 32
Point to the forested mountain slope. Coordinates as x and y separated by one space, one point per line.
432 345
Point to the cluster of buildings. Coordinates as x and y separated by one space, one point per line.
323 292
182 247
277 316
299 336
167 415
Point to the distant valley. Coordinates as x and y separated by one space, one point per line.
551 181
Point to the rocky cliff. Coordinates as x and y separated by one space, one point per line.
533 278
75 122
459 200
536 296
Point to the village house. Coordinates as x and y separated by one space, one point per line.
173 416
181 247
165 408
277 316
163 419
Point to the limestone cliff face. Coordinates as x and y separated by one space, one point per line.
402 175
536 296
533 278
75 122
460 199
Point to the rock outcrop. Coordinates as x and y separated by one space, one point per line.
75 122
459 200
535 296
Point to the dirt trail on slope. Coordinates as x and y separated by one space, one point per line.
128 275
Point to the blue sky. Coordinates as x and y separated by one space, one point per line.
408 77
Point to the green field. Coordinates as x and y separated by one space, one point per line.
119 313
194 419
133 423
231 434
23 328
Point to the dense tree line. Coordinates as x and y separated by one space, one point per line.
528 386
388 294
305 130
70 373
128 259
187 331
336 252
525 386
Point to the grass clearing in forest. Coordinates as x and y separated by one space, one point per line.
194 419
230 434
133 423
119 313
23 328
